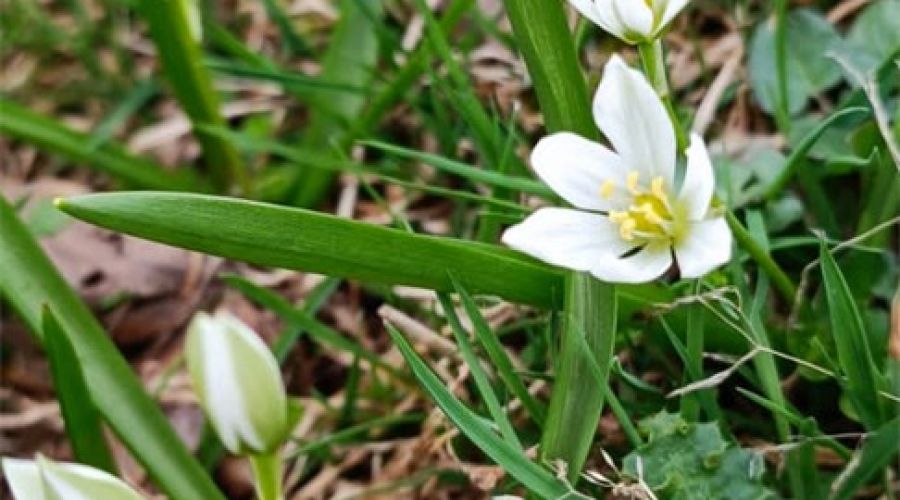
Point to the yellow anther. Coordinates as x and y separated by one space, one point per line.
618 217
632 181
627 228
657 187
607 189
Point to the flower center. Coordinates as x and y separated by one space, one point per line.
648 213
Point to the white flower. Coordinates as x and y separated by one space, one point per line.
632 218
43 479
632 21
238 382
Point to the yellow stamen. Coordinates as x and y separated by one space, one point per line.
632 181
627 228
607 189
657 187
618 217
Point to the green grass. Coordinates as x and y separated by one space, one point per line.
785 349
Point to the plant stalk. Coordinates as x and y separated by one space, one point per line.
543 37
780 279
654 65
267 475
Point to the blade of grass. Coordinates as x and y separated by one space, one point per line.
307 323
46 133
474 174
299 239
851 341
877 452
182 63
29 282
534 477
350 60
543 37
482 382
498 357
83 424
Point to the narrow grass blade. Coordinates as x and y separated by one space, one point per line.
315 329
799 153
29 281
877 452
83 424
481 378
850 338
498 357
299 239
534 477
46 133
350 60
182 61
474 174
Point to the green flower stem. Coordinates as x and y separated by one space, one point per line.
267 475
546 43
690 403
780 279
653 62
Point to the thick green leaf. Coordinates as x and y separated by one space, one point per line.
309 241
110 158
851 340
809 71
877 31
687 461
29 282
534 477
83 424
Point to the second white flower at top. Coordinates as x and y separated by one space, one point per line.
630 218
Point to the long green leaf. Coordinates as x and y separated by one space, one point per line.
534 477
182 61
543 37
25 125
83 424
850 338
30 281
300 239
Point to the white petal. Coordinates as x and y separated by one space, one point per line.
576 168
699 180
646 265
566 238
69 481
600 13
631 115
706 246
24 479
672 8
635 15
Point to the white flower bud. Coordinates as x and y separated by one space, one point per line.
43 479
238 383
